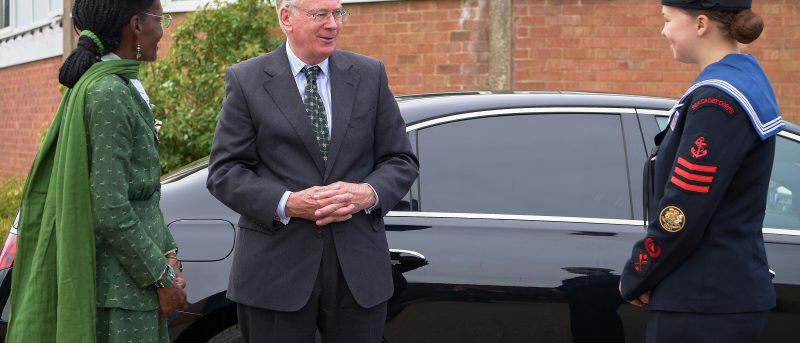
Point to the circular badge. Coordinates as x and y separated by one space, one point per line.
672 219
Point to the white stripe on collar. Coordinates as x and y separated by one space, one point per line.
763 128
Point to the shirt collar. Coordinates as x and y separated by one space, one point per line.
110 57
297 65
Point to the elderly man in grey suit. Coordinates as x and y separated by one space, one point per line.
311 151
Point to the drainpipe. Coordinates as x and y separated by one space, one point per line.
70 40
500 45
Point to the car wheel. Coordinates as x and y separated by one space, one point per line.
234 335
230 335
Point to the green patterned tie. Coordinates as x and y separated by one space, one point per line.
315 109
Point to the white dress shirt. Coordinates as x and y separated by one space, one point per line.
324 90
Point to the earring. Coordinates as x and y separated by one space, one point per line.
138 51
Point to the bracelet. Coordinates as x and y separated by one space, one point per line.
173 256
167 278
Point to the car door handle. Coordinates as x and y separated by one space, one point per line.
406 256
406 260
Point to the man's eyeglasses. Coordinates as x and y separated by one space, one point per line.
165 19
339 15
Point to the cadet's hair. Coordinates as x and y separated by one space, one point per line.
105 18
744 26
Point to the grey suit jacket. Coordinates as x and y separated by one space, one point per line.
265 145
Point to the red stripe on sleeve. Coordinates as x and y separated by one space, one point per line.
685 186
693 177
696 167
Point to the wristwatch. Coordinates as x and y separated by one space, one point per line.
167 278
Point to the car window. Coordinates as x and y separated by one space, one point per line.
783 198
662 122
536 164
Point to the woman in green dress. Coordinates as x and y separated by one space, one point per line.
95 260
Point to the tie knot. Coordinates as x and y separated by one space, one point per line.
311 72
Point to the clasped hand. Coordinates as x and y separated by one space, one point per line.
172 298
336 202
641 301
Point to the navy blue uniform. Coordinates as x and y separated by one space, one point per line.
704 249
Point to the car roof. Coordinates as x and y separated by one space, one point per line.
420 107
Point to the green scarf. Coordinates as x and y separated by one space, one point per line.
53 283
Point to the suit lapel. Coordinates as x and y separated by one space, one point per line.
281 86
343 81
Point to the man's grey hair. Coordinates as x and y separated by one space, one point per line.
286 3
289 4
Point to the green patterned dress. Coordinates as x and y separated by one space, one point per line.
130 234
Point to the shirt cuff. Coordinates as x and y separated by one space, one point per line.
280 212
377 200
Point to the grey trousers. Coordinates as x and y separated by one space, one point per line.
331 309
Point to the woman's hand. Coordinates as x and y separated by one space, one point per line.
170 299
641 301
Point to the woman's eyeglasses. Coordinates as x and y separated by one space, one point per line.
165 19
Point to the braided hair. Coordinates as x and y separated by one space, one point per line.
106 19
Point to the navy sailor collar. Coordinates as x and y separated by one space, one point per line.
741 77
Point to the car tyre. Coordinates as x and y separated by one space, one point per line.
234 335
230 335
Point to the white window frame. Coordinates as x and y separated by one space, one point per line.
53 15
41 39
4 30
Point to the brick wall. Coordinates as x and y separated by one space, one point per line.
29 95
427 46
442 45
616 46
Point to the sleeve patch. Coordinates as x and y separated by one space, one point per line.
641 261
652 248
672 219
693 177
699 149
713 101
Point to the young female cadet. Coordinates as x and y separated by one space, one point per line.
702 267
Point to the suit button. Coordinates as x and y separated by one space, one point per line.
318 234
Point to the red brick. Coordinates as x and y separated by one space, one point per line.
430 46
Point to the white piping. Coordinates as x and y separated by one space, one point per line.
513 217
407 214
493 113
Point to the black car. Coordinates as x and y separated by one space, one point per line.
526 208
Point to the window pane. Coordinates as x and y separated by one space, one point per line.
23 13
56 5
783 199
5 15
662 122
40 9
544 164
